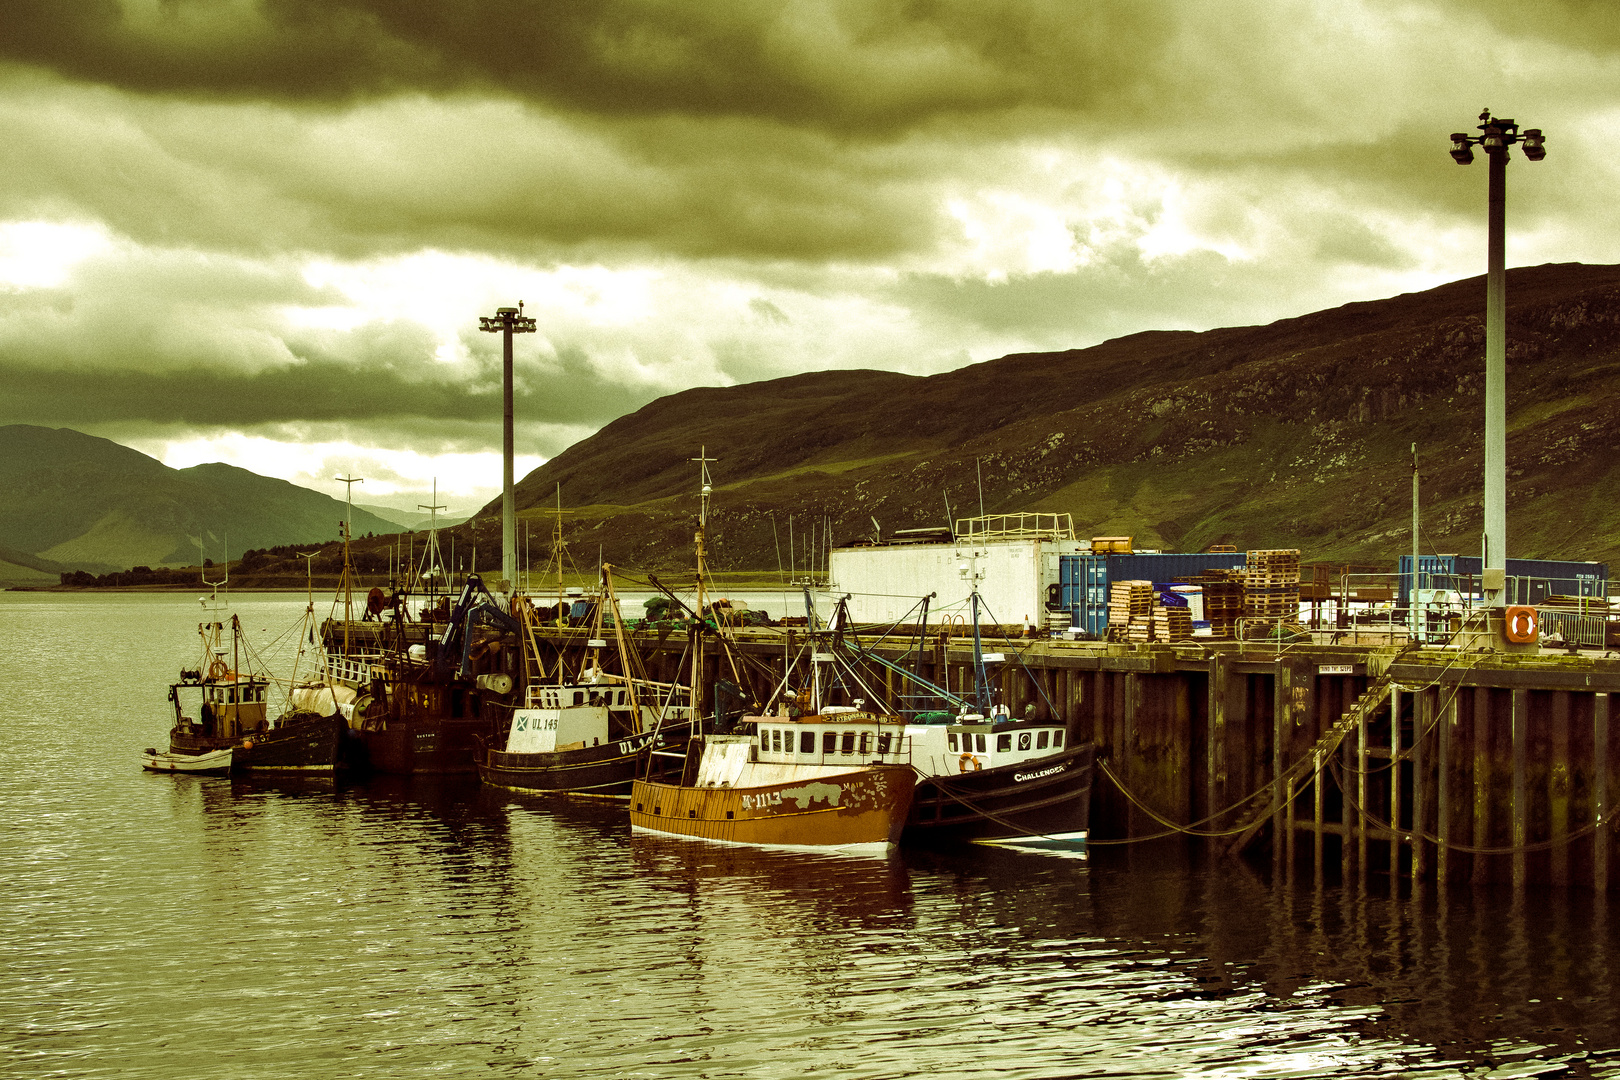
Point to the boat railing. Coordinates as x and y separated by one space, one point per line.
353 670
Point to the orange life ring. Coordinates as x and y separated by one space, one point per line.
967 760
218 670
1521 625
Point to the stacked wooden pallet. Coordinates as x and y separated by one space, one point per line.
1127 599
1271 584
1223 599
1171 623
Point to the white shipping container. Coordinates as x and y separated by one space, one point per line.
885 582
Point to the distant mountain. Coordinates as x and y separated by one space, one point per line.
414 521
1295 434
86 503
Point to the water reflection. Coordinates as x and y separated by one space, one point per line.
172 925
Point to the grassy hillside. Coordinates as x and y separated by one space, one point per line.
1294 434
92 504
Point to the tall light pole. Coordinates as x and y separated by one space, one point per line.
1495 137
507 321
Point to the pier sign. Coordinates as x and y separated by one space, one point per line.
1335 669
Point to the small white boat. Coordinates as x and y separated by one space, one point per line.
212 761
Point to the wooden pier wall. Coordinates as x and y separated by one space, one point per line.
1426 764
1430 764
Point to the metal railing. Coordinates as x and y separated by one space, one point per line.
1572 627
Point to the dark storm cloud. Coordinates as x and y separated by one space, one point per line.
459 175
363 392
847 66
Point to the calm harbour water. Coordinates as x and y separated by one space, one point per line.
158 926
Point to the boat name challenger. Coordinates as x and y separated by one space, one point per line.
1023 776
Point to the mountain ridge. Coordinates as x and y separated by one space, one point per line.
81 502
1292 434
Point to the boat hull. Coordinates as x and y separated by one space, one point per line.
604 772
211 762
314 744
425 746
1045 802
862 808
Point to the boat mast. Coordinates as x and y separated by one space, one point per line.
432 555
348 567
981 681
700 541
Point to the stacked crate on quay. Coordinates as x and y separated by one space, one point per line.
1222 592
1171 622
1271 584
1130 610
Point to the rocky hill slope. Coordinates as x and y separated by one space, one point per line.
1295 434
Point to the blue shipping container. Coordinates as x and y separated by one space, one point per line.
1085 579
1530 581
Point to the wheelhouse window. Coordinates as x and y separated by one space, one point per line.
849 742
829 742
1003 743
1042 739
979 741
883 742
950 740
863 742
1023 740
807 742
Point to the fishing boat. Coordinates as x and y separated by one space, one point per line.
983 776
581 732
826 785
588 735
424 707
231 713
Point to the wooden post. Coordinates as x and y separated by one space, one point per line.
1282 817
1422 719
1361 796
1349 692
1219 670
1600 793
1520 826
1442 830
1394 786
1482 779
1316 849
1558 789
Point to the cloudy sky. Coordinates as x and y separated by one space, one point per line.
262 231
